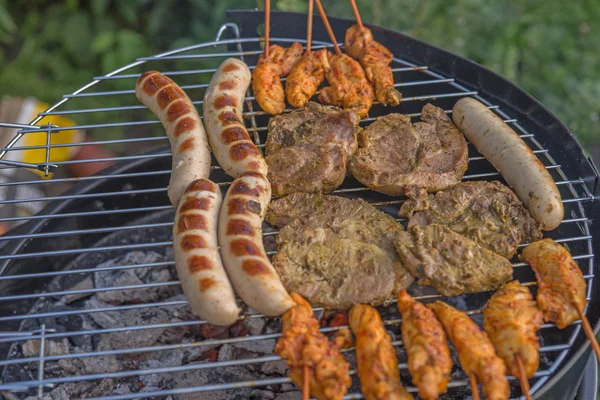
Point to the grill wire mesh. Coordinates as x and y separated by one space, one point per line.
418 84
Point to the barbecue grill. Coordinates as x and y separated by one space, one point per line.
64 326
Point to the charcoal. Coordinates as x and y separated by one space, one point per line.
135 276
264 346
85 285
289 396
255 326
31 348
274 368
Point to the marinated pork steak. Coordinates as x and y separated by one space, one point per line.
394 154
487 212
450 262
308 149
307 167
336 252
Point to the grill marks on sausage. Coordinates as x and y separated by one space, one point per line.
195 203
225 101
199 263
187 144
153 82
240 227
202 185
255 267
244 247
241 150
184 125
177 109
169 94
206 283
240 187
193 242
234 134
229 84
230 68
237 206
189 222
229 118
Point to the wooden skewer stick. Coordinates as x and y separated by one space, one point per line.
356 14
523 378
587 328
306 385
474 391
267 26
328 27
309 26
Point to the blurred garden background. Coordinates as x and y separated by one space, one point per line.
549 47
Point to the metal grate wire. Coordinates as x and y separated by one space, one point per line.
426 85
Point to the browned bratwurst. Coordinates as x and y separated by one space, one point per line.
189 145
199 267
223 105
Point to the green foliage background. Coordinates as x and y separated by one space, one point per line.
549 47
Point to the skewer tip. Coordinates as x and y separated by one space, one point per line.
589 332
306 384
474 391
523 378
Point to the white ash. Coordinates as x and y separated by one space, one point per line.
192 336
134 276
85 286
32 347
264 346
255 326
70 390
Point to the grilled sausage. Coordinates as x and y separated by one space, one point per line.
189 145
197 258
223 105
509 154
240 240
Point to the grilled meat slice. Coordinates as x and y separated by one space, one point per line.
375 356
511 319
451 263
375 59
307 168
426 345
561 286
336 252
302 344
306 77
314 124
308 149
476 353
394 154
487 212
349 87
266 77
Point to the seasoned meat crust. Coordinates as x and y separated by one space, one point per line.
451 263
487 212
336 252
308 149
394 154
314 124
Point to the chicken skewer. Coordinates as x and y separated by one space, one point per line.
375 356
349 87
476 353
308 74
375 59
272 65
511 319
429 360
561 287
310 355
